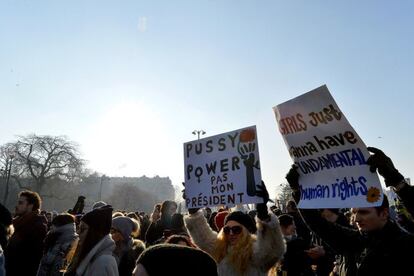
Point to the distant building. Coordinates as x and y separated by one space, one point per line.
60 195
160 187
97 188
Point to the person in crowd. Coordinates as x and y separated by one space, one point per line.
219 219
392 177
302 230
235 248
403 217
6 220
127 249
2 271
48 216
132 215
54 214
117 214
207 213
157 227
171 259
180 240
323 256
211 221
379 246
275 210
253 214
60 239
144 222
25 247
98 204
93 255
136 232
177 225
177 228
295 261
350 219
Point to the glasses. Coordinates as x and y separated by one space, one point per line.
235 230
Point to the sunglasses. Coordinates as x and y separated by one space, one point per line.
235 230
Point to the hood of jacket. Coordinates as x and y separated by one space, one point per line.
104 247
65 232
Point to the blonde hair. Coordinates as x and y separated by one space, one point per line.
241 253
137 228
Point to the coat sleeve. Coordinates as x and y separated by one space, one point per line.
105 265
153 233
270 245
406 195
342 239
201 233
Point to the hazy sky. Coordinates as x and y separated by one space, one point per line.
130 80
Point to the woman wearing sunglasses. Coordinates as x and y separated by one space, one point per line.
239 248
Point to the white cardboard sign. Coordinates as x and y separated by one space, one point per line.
330 156
222 169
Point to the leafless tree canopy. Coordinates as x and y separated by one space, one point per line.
42 158
6 157
285 194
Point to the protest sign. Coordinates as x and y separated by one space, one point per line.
330 156
222 169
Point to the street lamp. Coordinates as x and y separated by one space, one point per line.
198 133
101 186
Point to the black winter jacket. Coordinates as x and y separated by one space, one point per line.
389 251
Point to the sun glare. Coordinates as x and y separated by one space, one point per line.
125 141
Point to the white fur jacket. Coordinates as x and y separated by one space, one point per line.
267 249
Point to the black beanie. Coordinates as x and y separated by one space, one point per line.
99 219
177 260
243 219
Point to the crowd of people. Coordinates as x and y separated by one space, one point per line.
264 241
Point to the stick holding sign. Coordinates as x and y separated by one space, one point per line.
222 169
329 154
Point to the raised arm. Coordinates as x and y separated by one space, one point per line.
340 238
270 245
201 233
392 177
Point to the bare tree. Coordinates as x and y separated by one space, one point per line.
284 195
6 161
46 157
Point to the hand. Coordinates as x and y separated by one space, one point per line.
262 212
385 167
190 210
155 214
261 191
316 252
292 178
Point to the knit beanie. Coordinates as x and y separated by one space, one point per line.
177 260
123 225
98 204
243 219
100 219
219 219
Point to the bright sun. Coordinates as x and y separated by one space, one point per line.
126 140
